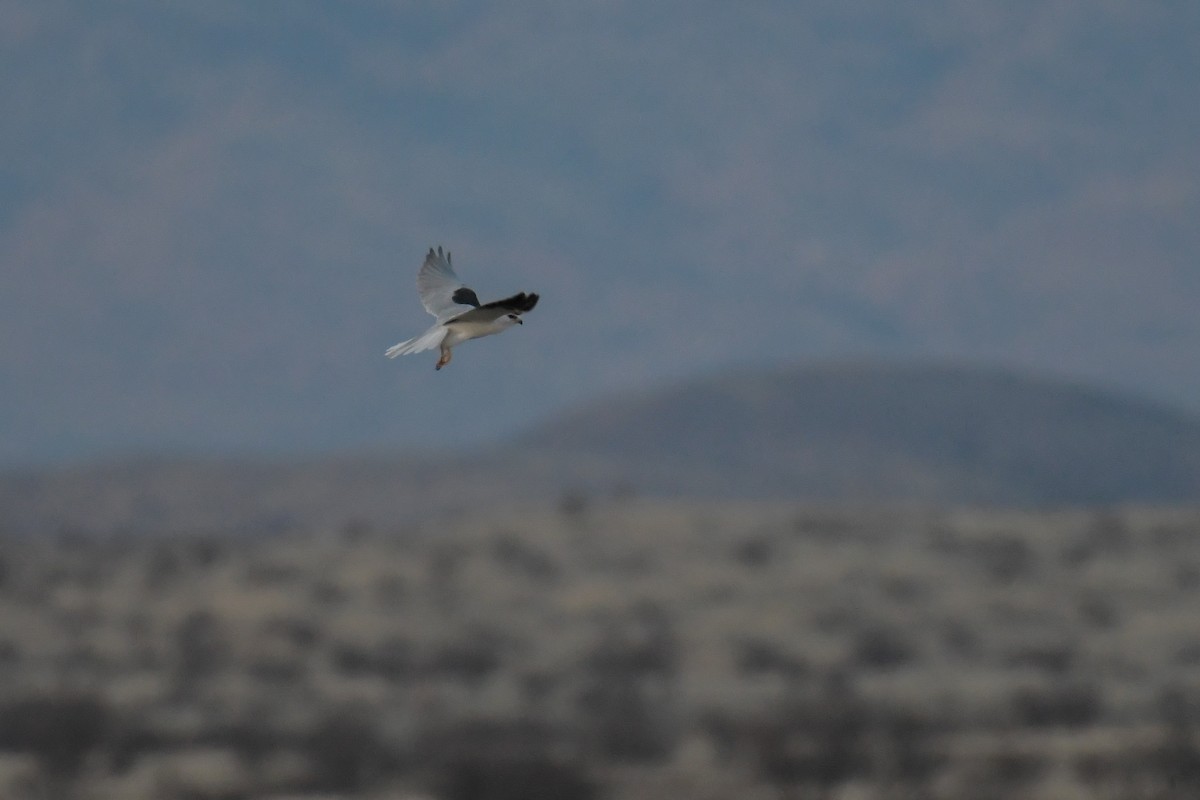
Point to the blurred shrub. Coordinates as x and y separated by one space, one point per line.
1187 576
1187 652
827 527
252 736
470 659
347 752
754 552
573 506
202 647
328 593
59 729
355 531
815 741
1106 536
755 656
625 700
10 653
504 760
395 659
445 563
351 659
537 686
263 572
882 648
207 551
522 777
1064 704
277 668
960 639
22 778
1177 757
836 618
1005 558
909 752
299 632
523 558
390 592
281 651
198 773
642 644
162 567
1052 658
1008 773
626 720
129 738
81 661
814 744
904 589
1098 610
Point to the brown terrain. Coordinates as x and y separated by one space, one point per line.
612 647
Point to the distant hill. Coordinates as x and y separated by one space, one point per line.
937 433
845 433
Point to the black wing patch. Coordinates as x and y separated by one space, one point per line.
519 303
465 297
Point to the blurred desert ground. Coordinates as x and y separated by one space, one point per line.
612 646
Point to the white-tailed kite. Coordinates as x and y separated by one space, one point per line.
459 315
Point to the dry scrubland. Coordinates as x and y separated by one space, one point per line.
612 649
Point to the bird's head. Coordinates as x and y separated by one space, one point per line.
515 319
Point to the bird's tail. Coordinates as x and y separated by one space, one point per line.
426 341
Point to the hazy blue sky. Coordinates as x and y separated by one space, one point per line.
211 214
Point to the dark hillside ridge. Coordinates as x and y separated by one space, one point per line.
830 433
939 433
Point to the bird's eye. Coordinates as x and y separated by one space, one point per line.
512 316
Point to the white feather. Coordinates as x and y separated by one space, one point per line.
426 341
437 283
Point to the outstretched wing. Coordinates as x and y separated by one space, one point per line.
517 304
442 293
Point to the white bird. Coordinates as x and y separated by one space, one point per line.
459 315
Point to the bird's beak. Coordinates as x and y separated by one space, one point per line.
519 322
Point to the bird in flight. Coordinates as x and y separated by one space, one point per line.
459 315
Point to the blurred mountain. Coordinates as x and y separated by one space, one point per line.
845 433
879 432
